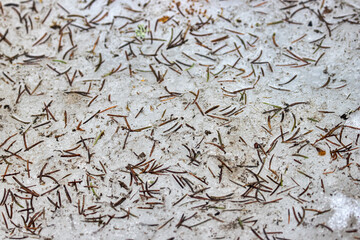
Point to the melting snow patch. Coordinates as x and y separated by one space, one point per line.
344 208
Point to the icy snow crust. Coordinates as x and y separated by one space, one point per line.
105 135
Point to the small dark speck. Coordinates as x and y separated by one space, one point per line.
344 116
310 24
7 107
